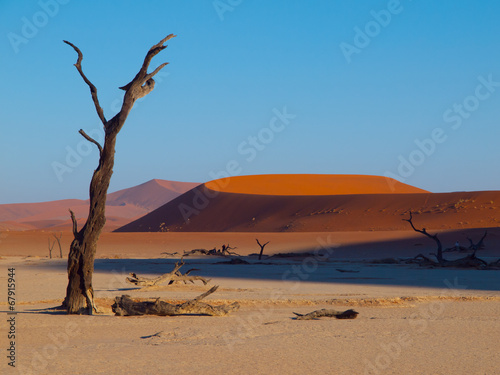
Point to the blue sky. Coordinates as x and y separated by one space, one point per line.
408 89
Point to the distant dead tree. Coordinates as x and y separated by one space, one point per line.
477 246
80 293
261 248
468 261
51 246
434 237
58 239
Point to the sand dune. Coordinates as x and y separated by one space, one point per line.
121 207
206 210
311 184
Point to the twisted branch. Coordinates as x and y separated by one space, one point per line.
142 76
93 89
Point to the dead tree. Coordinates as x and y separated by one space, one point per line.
58 239
439 254
174 276
125 306
50 248
261 248
470 261
475 247
348 314
80 293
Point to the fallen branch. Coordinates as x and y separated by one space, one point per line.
174 276
348 314
125 306
224 251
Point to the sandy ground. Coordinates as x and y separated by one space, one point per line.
411 320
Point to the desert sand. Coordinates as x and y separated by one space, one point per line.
411 320
339 251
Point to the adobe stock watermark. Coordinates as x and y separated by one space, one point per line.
454 117
364 36
249 149
56 341
30 26
296 274
418 323
75 155
224 6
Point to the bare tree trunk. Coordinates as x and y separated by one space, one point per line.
50 249
58 239
80 293
261 248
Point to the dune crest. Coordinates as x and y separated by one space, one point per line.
311 184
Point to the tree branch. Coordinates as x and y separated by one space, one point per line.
92 140
142 77
151 75
93 89
75 224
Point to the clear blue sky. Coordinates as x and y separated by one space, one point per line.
405 88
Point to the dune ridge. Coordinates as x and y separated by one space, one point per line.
203 209
311 184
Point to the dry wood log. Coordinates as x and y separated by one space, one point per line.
174 276
224 251
125 306
348 314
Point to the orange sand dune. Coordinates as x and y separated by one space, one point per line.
311 184
206 210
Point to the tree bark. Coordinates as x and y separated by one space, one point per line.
348 314
124 306
80 293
